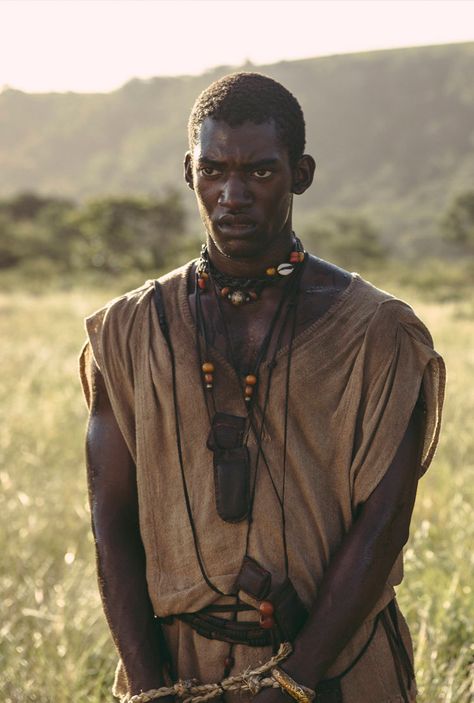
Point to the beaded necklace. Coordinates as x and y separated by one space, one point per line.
208 368
241 290
234 289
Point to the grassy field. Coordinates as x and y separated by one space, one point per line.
54 643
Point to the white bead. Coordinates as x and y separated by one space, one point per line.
237 297
285 269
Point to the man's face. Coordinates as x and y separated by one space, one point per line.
243 184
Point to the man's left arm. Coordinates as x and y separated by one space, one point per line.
356 576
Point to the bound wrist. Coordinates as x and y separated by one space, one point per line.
295 689
300 671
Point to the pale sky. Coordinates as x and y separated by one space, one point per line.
98 45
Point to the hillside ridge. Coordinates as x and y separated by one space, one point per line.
392 132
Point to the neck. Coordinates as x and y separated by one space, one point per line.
255 266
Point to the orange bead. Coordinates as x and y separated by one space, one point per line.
301 255
248 391
204 275
267 623
271 271
208 377
225 292
251 380
202 283
253 295
208 367
266 609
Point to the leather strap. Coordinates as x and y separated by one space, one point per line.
215 628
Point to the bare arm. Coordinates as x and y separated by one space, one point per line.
119 549
356 576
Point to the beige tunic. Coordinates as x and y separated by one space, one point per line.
356 375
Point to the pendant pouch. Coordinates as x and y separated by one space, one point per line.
227 432
232 483
290 613
253 579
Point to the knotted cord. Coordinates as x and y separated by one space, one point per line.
191 691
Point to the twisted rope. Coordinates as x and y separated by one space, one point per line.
191 691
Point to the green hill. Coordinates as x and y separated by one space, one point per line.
392 133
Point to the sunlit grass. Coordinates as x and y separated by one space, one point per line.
437 595
54 644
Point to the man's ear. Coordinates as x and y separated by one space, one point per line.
188 170
303 174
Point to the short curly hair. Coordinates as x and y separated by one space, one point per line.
243 96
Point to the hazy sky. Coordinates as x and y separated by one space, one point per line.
97 45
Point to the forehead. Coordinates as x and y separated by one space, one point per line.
248 142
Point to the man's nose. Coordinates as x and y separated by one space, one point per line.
235 194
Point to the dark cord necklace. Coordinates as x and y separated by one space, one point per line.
258 433
290 296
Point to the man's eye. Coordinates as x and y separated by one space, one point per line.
208 171
262 173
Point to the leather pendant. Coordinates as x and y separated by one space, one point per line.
232 483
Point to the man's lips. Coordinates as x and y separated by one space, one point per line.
235 221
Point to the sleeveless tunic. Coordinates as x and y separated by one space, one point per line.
356 375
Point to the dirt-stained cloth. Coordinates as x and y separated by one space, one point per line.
356 375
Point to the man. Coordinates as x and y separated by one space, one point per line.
258 424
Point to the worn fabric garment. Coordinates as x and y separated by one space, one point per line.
356 375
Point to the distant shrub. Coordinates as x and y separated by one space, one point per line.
348 239
28 206
129 232
110 234
458 223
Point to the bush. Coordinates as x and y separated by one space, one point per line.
109 234
348 239
458 223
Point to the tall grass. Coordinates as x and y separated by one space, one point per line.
54 644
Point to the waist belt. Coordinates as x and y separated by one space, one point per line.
214 628
207 624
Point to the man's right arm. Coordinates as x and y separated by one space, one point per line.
119 549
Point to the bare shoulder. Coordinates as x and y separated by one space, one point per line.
321 285
322 276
